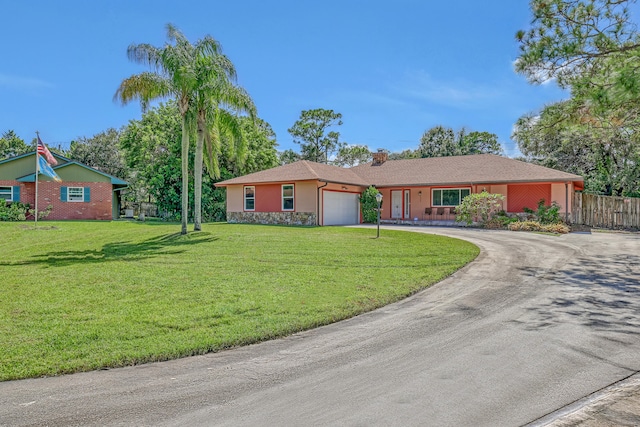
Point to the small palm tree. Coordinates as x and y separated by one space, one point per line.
175 75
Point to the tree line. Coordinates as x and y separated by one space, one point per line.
319 142
591 48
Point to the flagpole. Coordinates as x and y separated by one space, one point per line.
35 220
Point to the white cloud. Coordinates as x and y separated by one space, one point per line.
541 76
372 99
23 83
455 93
381 99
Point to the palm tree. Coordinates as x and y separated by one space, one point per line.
175 75
217 102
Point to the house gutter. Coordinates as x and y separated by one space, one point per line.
318 201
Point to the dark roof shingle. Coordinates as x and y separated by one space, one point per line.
455 170
302 170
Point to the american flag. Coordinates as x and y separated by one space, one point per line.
44 151
46 169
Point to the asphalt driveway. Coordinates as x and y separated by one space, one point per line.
534 324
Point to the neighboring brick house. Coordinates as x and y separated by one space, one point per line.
84 193
413 189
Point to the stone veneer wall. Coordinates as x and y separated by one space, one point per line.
281 218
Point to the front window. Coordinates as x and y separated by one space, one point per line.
449 196
6 193
75 194
250 198
287 197
407 204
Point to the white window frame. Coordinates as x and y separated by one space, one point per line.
433 198
78 197
291 197
10 192
245 198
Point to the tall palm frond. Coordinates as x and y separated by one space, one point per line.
223 126
144 87
145 54
218 101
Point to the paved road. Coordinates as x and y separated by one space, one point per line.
535 323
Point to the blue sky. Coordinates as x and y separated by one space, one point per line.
393 69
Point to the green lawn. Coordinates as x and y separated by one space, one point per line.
77 296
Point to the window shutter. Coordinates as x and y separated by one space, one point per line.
16 193
63 194
87 194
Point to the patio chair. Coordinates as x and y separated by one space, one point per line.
440 213
427 212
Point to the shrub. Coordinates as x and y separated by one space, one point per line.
369 205
524 226
500 221
42 214
558 228
17 211
14 211
546 214
479 207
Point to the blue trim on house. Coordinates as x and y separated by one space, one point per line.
31 177
31 153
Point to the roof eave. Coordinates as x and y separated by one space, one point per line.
481 182
280 181
332 181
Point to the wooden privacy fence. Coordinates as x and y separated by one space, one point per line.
606 211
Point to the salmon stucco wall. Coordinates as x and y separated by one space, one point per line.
235 198
306 196
559 195
420 200
496 189
269 197
386 201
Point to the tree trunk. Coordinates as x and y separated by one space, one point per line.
197 169
185 174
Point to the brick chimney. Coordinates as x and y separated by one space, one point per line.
380 157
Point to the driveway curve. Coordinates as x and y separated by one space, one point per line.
535 323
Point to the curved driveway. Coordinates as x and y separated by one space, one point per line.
535 323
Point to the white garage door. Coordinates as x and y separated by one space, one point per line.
341 208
